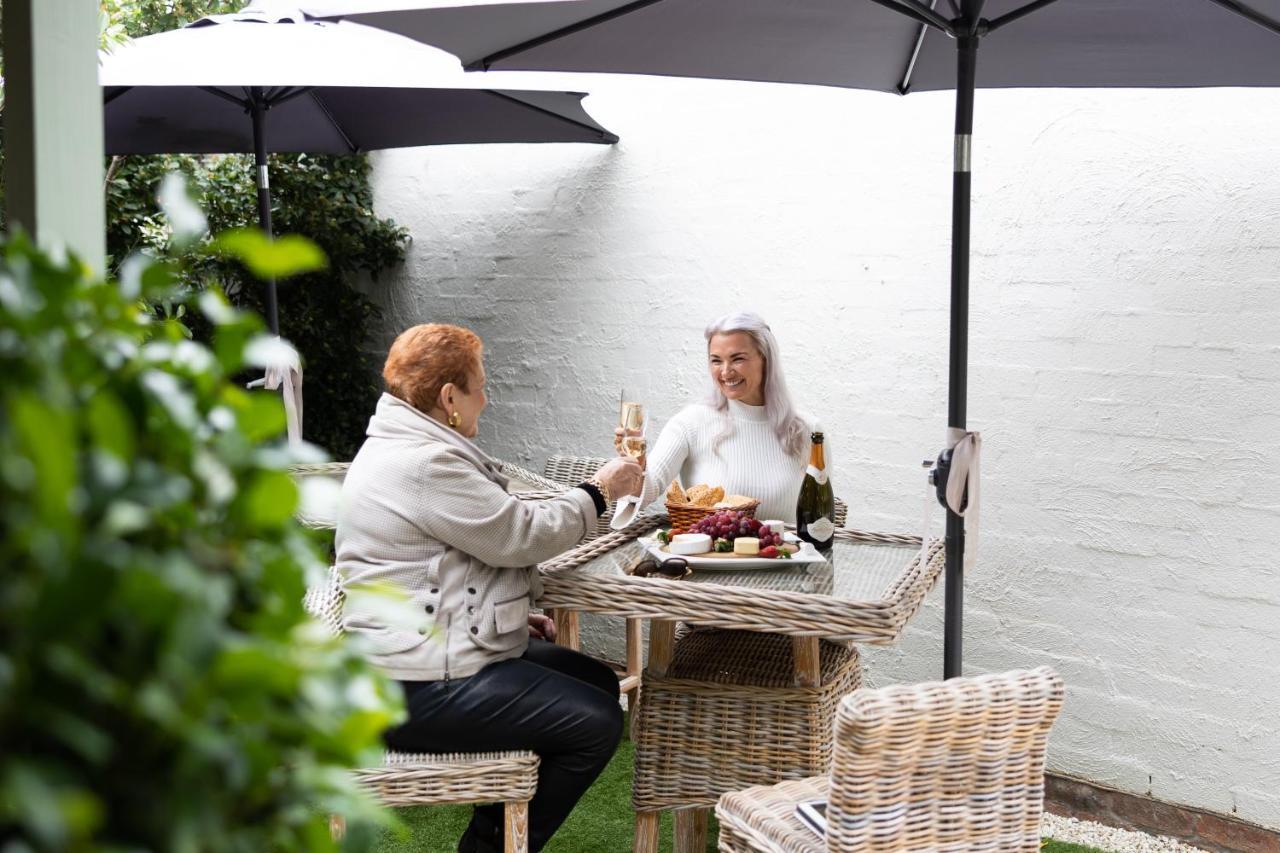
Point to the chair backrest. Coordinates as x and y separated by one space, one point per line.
324 601
572 469
951 765
575 469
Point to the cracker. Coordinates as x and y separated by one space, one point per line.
675 494
734 501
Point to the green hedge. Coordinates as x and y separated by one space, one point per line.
160 687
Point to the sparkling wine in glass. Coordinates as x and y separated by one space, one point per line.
634 422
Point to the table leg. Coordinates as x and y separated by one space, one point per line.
567 634
808 668
691 831
646 840
662 645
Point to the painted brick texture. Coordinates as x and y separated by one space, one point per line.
1125 359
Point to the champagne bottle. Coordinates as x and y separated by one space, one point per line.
816 508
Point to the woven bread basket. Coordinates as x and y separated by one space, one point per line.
686 515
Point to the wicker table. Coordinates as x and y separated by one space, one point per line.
872 584
867 590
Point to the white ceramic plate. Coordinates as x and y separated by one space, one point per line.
732 562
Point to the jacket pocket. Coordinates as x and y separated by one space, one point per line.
380 640
502 626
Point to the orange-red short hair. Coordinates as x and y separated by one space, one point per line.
426 357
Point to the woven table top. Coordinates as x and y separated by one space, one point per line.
866 591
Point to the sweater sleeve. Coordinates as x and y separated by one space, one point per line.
663 463
466 510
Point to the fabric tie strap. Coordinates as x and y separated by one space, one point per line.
966 455
285 373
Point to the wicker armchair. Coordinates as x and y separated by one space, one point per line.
942 766
423 779
728 714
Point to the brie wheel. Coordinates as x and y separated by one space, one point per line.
748 545
690 543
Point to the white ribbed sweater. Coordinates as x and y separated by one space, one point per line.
750 461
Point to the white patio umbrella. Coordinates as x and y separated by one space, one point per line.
897 46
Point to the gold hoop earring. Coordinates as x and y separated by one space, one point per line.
455 420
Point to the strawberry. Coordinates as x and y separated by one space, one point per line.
770 552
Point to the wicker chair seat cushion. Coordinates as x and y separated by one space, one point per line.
764 818
728 716
423 779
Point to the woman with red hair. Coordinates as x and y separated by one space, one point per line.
425 511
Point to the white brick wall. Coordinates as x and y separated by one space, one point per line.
1125 359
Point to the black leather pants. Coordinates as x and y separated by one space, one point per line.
553 701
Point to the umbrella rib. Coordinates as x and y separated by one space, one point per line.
1252 14
315 96
905 85
920 14
604 134
226 96
483 63
285 95
1010 17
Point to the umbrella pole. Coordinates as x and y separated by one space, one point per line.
958 379
258 109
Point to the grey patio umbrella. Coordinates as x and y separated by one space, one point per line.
897 46
267 79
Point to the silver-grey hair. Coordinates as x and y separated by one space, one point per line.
788 426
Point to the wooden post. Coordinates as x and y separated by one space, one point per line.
567 628
808 667
691 831
516 817
662 645
646 840
635 662
53 126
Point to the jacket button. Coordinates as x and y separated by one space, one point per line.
431 608
471 590
435 589
424 630
475 630
471 610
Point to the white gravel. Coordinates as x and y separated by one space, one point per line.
1108 838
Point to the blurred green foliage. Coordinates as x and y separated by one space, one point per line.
160 686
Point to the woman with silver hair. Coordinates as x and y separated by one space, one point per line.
747 435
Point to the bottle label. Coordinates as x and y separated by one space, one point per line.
818 474
822 529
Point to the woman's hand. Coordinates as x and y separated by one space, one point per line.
621 477
542 627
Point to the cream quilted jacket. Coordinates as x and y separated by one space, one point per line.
425 511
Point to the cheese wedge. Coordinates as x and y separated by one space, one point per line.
746 545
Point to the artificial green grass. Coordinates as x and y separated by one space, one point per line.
602 822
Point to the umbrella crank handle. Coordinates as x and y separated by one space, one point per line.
939 474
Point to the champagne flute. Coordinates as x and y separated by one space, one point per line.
633 420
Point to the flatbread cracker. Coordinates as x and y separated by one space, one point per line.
675 494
